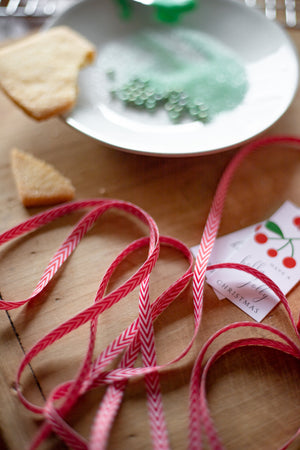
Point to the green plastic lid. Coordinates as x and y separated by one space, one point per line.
170 10
166 10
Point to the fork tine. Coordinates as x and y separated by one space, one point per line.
12 7
50 8
31 7
270 9
290 13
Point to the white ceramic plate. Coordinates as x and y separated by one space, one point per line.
264 47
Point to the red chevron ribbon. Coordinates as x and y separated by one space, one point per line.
138 338
199 413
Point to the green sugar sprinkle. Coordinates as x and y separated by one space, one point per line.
140 93
188 74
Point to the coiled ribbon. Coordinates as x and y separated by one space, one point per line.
138 338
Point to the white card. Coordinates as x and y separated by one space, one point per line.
273 249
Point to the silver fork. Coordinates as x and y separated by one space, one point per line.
287 12
29 8
18 17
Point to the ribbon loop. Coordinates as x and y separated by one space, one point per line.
139 336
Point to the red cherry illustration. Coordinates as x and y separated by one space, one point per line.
296 221
289 262
272 252
261 238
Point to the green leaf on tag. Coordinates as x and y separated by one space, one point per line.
272 226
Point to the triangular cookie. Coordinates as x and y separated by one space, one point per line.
39 73
39 183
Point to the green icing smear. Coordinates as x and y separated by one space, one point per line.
185 72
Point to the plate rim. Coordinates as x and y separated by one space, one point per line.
82 128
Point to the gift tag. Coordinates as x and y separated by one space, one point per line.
273 248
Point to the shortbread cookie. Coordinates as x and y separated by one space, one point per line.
40 72
38 183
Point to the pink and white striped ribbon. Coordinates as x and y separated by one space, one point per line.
139 336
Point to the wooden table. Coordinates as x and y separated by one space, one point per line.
254 394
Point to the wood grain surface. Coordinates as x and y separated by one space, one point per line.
254 394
